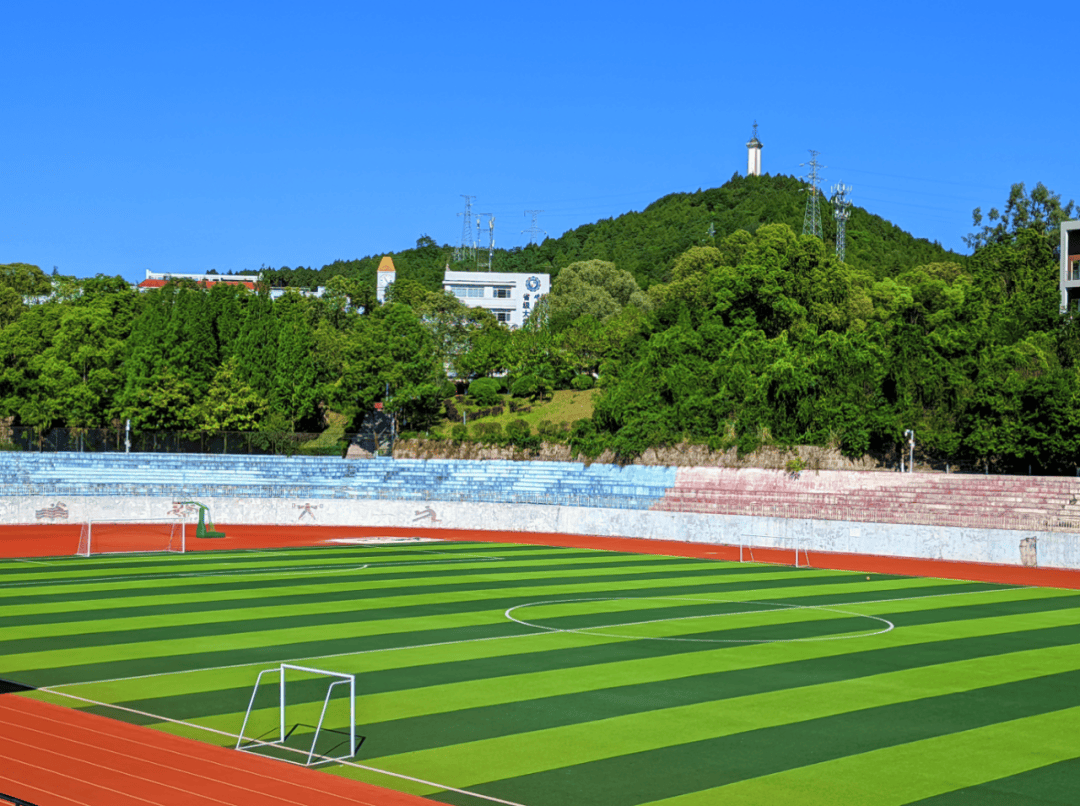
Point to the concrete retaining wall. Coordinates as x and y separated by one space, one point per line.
1005 547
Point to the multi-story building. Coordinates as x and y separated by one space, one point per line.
157 279
1069 282
510 296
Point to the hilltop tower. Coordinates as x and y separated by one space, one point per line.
384 276
841 212
812 217
753 155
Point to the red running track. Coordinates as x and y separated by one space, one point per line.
55 756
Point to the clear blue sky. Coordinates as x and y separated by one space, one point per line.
196 136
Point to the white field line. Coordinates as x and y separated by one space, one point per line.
545 630
776 608
321 570
402 776
32 562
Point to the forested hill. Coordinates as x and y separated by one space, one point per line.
646 243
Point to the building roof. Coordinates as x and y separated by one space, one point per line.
387 264
158 283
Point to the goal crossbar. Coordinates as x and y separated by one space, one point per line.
782 543
283 733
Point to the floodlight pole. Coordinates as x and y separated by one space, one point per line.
910 434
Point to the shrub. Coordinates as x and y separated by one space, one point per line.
516 429
525 386
488 432
485 391
519 434
459 432
547 429
582 382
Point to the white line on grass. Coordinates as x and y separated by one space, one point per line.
402 776
776 607
275 571
255 664
286 660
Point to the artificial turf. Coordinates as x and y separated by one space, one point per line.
624 680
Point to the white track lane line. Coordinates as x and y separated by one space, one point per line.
225 784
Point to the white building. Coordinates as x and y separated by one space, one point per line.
1069 279
510 297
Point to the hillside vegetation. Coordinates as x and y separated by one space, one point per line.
647 243
757 337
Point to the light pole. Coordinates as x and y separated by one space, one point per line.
911 449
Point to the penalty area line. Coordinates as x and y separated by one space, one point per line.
324 570
356 765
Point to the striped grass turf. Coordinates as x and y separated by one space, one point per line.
626 679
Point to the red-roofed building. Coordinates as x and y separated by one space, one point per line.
157 279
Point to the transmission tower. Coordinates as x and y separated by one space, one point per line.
812 218
841 212
534 230
465 251
491 241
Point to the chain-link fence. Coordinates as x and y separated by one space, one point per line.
104 440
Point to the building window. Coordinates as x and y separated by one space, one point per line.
467 290
502 315
1074 270
502 291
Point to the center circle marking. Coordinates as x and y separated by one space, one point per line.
777 606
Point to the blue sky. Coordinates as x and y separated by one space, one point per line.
231 135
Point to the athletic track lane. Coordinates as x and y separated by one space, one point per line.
56 756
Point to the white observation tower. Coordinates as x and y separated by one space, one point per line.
753 155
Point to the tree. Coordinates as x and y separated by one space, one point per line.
594 287
230 404
294 393
1041 210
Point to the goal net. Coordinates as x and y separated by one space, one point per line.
774 549
132 535
298 704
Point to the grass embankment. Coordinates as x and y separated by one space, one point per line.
564 406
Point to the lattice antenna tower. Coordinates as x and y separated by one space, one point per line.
491 226
466 251
841 212
812 217
534 230
491 241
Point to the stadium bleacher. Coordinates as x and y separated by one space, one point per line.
1010 502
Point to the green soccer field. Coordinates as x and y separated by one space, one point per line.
498 673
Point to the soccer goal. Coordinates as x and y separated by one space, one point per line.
775 549
121 535
303 682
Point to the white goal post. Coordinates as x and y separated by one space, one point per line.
282 728
781 544
129 535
